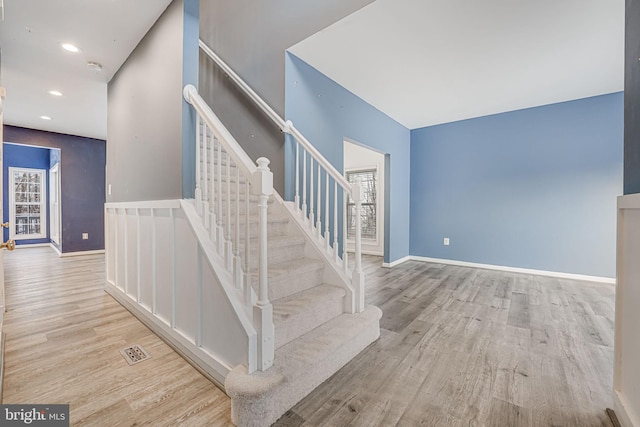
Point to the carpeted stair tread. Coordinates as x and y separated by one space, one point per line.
260 398
321 342
301 312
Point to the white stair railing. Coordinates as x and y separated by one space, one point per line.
226 183
319 192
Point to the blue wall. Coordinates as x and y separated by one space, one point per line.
24 157
534 188
326 113
82 174
190 65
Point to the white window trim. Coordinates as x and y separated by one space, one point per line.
43 205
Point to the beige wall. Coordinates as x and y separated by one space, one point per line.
144 124
252 37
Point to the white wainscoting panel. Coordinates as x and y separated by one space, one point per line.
163 268
626 380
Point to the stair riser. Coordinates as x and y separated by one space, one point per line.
278 254
254 209
274 229
231 178
289 284
253 201
314 316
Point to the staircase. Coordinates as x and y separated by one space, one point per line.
313 336
316 328
257 292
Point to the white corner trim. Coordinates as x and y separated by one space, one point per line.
621 408
557 274
55 248
81 253
397 262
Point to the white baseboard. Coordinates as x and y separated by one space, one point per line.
81 253
557 274
32 245
622 411
396 262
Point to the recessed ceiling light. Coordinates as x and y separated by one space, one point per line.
55 93
70 47
45 117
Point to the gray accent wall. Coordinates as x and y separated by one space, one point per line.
252 36
632 99
144 124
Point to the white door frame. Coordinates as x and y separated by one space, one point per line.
55 228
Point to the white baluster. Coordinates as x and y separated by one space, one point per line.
327 236
220 214
319 206
212 205
345 256
263 310
228 253
198 191
247 248
336 256
296 198
345 232
304 185
237 267
357 278
311 214
205 176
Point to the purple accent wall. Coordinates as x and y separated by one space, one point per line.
82 173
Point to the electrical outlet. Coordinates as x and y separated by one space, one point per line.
445 241
85 236
109 189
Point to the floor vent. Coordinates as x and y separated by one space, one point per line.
134 354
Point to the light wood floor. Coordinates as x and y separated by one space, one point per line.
64 334
470 347
458 346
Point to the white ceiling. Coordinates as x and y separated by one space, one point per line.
425 62
33 62
422 62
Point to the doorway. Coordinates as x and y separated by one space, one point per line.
368 166
32 194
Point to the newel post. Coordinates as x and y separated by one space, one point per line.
357 278
263 310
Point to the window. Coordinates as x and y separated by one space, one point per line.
27 203
368 210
